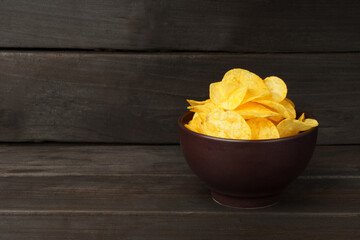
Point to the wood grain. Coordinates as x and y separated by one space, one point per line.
57 191
178 226
165 193
92 191
134 178
206 25
137 98
52 160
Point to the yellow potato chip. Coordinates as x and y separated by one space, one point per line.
244 95
190 127
195 124
289 107
261 128
235 99
290 127
202 110
256 87
277 88
226 124
207 107
194 102
220 91
276 119
291 102
311 122
253 110
227 95
302 117
275 106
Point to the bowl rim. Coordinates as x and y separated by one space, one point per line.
302 134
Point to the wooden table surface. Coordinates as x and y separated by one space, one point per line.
77 191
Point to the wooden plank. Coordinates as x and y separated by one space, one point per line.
143 185
206 25
17 160
137 98
138 200
165 193
178 226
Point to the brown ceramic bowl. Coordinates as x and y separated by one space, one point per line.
246 173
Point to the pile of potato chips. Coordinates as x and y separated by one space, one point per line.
244 106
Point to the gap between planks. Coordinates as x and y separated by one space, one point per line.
159 51
152 175
182 213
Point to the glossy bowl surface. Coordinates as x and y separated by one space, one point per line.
246 173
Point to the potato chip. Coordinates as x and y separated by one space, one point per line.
202 110
277 88
276 119
219 92
227 95
194 102
195 124
289 107
261 128
235 99
277 107
226 124
207 107
253 110
191 127
243 106
311 122
256 87
290 127
291 102
302 117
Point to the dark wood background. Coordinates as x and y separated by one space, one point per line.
186 25
120 71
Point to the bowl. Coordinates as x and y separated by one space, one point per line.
246 173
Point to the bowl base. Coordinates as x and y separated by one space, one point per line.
245 203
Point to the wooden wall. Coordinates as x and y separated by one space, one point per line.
119 71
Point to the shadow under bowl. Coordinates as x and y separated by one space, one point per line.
246 173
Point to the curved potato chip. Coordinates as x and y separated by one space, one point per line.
234 99
255 85
289 107
277 88
194 102
190 127
253 110
290 127
244 95
207 107
226 124
202 110
291 102
227 95
276 119
220 91
275 106
195 124
311 122
261 128
302 117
